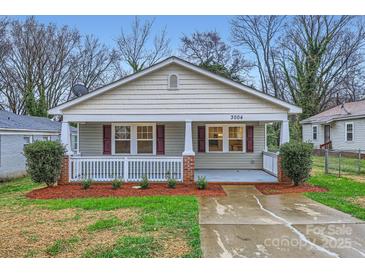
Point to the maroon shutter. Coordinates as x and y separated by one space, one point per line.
249 138
160 142
201 138
107 139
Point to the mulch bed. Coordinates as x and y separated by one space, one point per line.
282 188
105 190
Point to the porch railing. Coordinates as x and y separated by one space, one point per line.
270 163
130 169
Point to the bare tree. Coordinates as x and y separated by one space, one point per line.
135 46
319 54
94 64
258 35
208 50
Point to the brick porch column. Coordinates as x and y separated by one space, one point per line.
64 178
282 178
188 155
188 169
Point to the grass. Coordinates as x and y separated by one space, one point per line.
341 193
157 219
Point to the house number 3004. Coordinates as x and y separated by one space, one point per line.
236 117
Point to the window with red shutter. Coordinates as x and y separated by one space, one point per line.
201 138
107 139
160 139
249 138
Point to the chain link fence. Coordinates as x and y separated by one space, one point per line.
341 162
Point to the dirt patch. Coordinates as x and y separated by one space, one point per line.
272 189
127 190
174 247
360 201
29 233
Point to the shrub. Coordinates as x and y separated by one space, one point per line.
202 182
145 183
44 161
117 183
296 160
171 183
86 183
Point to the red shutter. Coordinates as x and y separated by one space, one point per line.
160 142
107 139
201 138
249 138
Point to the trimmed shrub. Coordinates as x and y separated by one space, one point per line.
86 183
296 161
44 161
202 182
117 183
171 183
145 183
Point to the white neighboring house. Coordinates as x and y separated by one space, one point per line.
16 131
173 119
341 127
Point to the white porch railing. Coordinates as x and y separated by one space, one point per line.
130 169
270 162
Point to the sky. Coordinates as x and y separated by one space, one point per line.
107 28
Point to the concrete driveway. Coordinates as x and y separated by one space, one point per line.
247 223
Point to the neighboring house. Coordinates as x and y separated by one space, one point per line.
173 119
16 131
341 127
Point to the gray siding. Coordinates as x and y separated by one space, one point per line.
307 135
338 135
91 144
12 160
197 94
231 160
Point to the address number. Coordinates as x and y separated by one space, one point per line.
236 117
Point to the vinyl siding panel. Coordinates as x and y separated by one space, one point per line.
338 135
307 135
91 139
231 160
197 94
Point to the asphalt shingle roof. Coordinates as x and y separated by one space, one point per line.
9 120
347 110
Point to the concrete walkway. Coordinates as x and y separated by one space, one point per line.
249 224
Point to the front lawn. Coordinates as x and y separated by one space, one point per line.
344 194
159 226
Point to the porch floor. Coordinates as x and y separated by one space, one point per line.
235 176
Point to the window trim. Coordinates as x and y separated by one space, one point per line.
30 139
134 140
177 81
314 126
353 131
225 137
76 144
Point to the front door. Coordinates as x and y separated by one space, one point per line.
327 133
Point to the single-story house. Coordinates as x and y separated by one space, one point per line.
340 128
173 119
16 131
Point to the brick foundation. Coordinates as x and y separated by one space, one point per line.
188 167
282 178
64 179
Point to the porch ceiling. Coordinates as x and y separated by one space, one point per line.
235 176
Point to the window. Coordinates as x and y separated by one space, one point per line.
314 133
74 142
349 132
235 138
122 139
173 81
144 139
225 138
27 140
134 139
215 139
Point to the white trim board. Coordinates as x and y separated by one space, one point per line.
261 117
292 109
